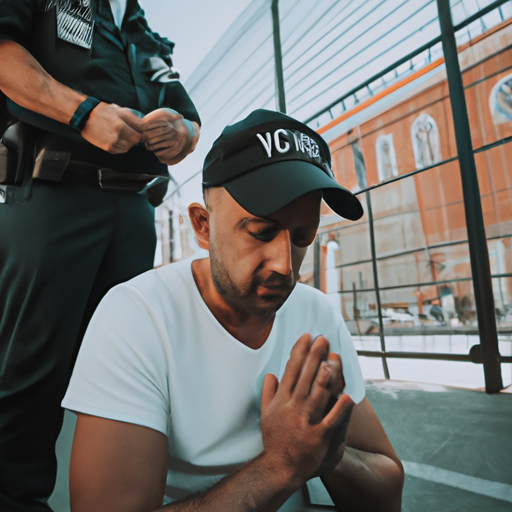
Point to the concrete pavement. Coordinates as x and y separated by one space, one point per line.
456 445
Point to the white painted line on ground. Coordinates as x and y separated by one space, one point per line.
496 490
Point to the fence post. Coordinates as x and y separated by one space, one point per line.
479 255
316 262
278 57
375 270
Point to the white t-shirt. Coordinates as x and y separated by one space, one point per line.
154 355
118 9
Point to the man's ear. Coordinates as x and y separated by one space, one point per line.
200 220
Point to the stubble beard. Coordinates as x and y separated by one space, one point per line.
244 298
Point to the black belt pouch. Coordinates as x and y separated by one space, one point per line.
17 155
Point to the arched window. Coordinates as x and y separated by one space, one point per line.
425 141
500 101
359 165
386 157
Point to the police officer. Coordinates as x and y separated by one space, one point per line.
101 115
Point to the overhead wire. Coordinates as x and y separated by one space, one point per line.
306 16
236 71
245 89
244 81
432 45
354 55
213 59
365 64
239 92
323 35
323 62
250 78
310 99
314 57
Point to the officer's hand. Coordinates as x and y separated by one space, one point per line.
303 431
113 128
169 135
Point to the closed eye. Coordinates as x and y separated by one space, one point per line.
304 239
266 235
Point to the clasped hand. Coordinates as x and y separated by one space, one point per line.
163 131
303 421
167 134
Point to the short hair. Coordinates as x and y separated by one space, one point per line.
207 197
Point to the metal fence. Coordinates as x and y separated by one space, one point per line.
325 60
487 351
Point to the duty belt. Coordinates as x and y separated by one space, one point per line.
53 165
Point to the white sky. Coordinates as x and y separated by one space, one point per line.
194 25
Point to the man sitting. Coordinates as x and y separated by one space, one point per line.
191 387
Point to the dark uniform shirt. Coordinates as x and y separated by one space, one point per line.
120 67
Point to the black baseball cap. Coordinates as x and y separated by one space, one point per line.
269 159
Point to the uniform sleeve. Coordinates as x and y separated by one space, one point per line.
177 98
17 19
121 372
154 55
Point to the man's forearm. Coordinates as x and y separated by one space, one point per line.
24 81
257 486
366 482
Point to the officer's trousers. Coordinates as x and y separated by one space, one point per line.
60 252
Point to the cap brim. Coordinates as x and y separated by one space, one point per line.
267 189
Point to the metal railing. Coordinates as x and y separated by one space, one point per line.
487 352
